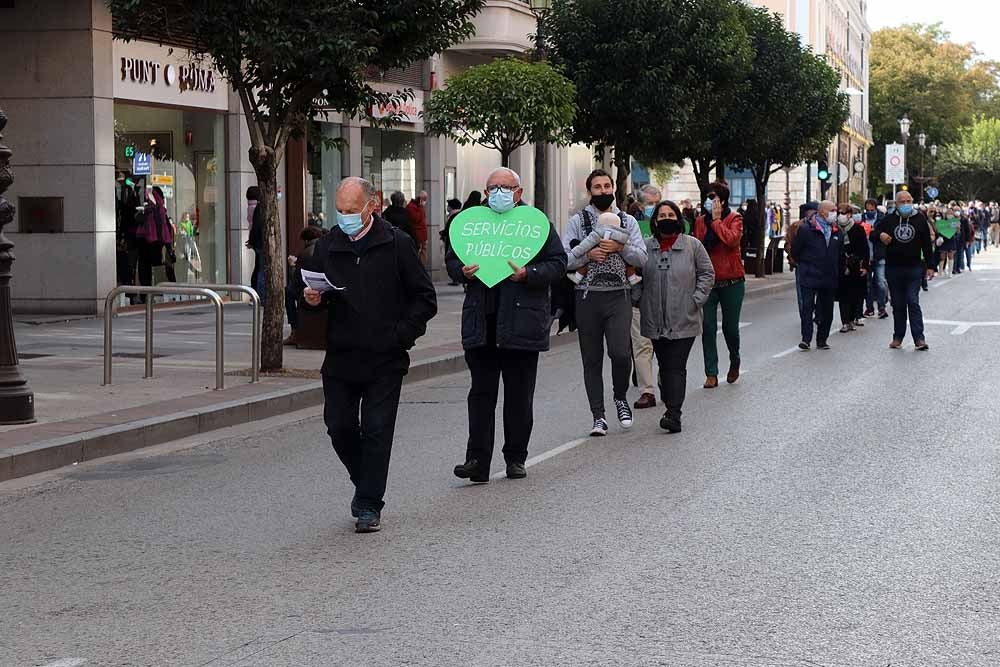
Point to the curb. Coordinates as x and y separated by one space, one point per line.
53 453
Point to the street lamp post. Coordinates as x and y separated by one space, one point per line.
539 8
904 131
934 152
17 401
922 140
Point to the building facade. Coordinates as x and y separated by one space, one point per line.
95 121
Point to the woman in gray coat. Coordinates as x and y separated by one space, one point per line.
676 281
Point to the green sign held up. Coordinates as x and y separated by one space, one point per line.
481 236
948 227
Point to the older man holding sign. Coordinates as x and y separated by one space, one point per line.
508 254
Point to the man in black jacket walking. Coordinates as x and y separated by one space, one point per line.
504 327
909 252
379 306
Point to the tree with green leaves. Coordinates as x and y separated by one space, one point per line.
969 167
288 61
810 110
706 87
625 59
942 86
503 105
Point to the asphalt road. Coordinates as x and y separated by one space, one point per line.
832 508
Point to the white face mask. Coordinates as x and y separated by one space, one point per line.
842 219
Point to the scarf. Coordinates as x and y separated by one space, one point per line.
825 227
667 242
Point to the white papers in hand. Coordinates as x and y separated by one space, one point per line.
319 282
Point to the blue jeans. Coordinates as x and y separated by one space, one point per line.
878 290
820 302
904 289
969 252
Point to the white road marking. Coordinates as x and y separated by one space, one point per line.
786 352
66 662
535 460
962 327
988 280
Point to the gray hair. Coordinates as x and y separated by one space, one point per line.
501 170
370 191
397 198
651 190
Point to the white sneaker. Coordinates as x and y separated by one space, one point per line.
624 414
576 277
600 428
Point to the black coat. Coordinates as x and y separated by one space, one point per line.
399 218
388 301
524 321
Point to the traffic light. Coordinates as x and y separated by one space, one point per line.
823 171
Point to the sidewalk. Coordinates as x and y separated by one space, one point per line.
78 419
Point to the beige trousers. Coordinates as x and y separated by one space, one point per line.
642 349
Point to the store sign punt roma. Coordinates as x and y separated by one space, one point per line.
151 73
479 235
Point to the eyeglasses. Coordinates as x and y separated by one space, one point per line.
506 189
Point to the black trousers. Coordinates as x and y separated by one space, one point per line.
519 370
672 358
363 445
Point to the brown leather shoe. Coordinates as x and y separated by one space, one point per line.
290 340
734 373
895 344
645 401
711 382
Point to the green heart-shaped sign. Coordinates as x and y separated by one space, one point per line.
482 236
948 228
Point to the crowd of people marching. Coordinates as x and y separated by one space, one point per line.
635 285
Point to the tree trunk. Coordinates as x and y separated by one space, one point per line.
540 173
720 170
701 168
623 179
265 164
761 187
505 158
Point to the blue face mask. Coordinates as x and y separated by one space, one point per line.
501 201
351 223
857 217
709 205
649 211
905 210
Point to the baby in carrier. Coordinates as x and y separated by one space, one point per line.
608 228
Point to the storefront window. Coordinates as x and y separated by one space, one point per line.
186 150
324 164
391 160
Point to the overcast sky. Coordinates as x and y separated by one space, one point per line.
976 21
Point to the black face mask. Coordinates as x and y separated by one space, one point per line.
602 202
668 227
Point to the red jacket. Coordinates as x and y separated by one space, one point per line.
418 219
726 256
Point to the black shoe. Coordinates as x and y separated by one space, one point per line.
670 423
804 345
472 471
822 346
369 521
516 471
